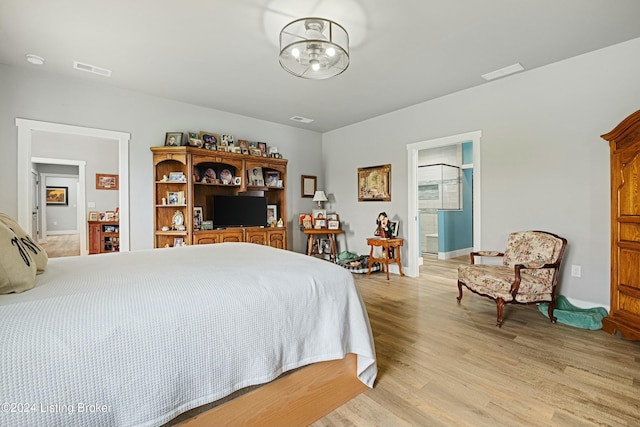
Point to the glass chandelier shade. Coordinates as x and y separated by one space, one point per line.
314 48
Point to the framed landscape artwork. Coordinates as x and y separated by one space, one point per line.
57 196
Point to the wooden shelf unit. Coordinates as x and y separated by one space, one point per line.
104 237
198 194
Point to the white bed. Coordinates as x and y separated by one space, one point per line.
134 339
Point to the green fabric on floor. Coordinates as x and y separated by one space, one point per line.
568 314
347 256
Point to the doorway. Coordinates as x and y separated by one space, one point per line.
414 252
25 131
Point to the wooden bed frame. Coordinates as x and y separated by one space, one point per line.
299 398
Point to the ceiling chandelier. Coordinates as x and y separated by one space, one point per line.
314 48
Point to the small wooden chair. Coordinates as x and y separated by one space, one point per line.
528 274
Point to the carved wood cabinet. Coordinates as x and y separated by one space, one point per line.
624 143
181 196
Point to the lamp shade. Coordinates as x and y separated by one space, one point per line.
314 48
319 196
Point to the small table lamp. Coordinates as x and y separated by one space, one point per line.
320 197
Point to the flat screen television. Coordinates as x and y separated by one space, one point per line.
239 211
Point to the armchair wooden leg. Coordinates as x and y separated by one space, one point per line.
459 292
500 305
552 306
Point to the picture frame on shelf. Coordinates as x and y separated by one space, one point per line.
210 140
237 180
271 178
93 215
57 196
333 224
177 221
106 181
207 225
333 215
226 177
325 246
173 139
243 143
306 220
394 226
109 216
227 140
177 177
255 152
374 183
197 217
178 241
319 223
272 214
263 148
175 197
255 177
309 185
319 214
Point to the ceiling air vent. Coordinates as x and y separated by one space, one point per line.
511 69
91 69
300 119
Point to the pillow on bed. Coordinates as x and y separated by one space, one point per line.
35 250
17 267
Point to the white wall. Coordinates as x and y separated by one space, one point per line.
37 95
544 165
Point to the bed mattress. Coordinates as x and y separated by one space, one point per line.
136 338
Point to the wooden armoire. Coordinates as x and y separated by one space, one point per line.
624 142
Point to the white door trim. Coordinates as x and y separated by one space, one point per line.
81 211
413 257
25 129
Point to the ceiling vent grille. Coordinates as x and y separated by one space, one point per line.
300 119
91 69
502 72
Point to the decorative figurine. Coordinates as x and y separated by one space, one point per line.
280 223
383 231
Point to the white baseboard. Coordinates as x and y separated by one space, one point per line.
454 254
58 232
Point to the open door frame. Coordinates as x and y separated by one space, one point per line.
413 255
25 129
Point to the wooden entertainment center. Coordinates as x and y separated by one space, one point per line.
175 198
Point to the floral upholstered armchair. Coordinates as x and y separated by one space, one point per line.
528 274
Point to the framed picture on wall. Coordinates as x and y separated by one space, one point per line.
106 181
57 196
374 183
308 185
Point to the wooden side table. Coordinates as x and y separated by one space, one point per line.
388 246
313 233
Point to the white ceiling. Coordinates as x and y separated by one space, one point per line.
223 54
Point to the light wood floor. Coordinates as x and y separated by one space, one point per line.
62 245
444 364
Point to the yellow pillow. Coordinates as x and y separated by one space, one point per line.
35 250
17 267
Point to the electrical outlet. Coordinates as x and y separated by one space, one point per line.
576 271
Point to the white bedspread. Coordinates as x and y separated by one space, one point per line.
137 338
